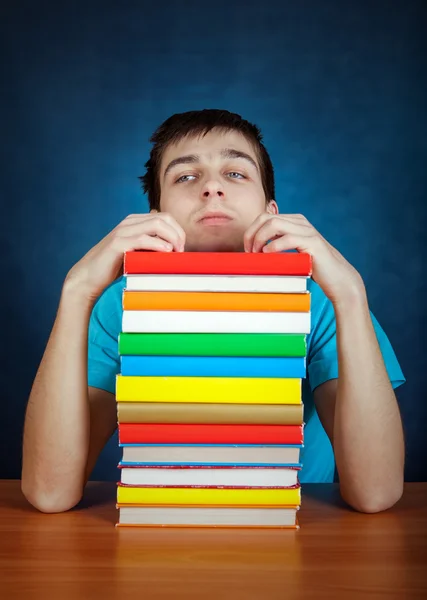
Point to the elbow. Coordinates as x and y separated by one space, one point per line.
375 502
377 505
49 502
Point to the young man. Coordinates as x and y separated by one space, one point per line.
210 187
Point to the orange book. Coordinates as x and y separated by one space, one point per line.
216 301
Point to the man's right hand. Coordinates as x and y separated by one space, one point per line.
103 263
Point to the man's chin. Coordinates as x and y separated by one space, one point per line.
215 245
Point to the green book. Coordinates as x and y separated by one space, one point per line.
213 344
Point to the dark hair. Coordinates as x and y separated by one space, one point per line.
200 122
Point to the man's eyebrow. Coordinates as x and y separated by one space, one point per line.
181 160
232 153
194 158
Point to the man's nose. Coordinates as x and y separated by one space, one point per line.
212 188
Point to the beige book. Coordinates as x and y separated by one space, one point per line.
232 414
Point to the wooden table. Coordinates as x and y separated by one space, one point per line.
337 553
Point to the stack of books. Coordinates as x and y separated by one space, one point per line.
209 394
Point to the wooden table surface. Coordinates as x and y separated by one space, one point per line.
337 553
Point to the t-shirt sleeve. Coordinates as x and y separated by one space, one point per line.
104 329
322 358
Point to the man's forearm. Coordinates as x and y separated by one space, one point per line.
56 429
368 435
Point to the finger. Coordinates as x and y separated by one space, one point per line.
140 218
172 221
132 220
134 217
129 223
251 231
273 228
298 218
264 217
154 226
168 218
146 242
289 241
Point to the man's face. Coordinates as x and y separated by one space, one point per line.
212 186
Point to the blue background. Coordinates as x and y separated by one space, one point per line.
338 89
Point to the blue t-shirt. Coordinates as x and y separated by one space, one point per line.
318 464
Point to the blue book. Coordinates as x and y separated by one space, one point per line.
213 366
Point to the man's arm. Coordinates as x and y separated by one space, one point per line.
359 410
360 414
59 448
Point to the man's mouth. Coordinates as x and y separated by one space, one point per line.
214 218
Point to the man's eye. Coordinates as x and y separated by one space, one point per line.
232 174
181 179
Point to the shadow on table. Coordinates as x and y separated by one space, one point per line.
100 496
97 494
323 493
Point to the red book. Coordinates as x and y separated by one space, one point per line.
140 262
194 433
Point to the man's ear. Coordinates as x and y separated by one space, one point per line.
272 207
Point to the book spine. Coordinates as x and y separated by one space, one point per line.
202 366
240 390
213 344
219 496
181 467
216 301
213 263
163 433
216 465
193 412
219 283
215 322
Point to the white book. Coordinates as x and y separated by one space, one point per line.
187 321
217 283
209 516
274 455
195 476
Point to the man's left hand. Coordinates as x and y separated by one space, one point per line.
338 279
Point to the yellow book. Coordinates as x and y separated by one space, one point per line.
209 496
237 390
